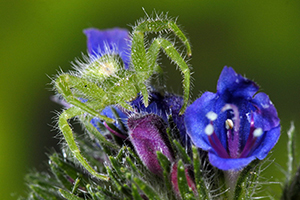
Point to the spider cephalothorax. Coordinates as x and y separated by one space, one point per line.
105 80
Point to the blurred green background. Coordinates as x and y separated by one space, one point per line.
260 39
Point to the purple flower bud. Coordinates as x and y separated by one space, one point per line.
148 135
189 179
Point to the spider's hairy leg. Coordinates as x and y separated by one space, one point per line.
126 89
159 25
65 82
140 63
173 54
68 135
144 62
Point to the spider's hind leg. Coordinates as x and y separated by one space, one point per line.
68 135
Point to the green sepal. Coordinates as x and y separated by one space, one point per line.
181 152
132 165
136 158
291 191
135 193
199 177
68 168
75 185
60 175
121 187
121 154
166 165
117 167
164 162
148 190
185 191
44 193
91 192
104 143
245 180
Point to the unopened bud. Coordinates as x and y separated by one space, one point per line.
148 135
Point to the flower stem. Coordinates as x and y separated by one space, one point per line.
230 180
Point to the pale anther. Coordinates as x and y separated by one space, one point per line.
212 116
258 132
229 124
209 129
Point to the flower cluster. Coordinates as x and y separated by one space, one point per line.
147 147
235 125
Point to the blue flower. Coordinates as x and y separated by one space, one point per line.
162 106
101 42
235 125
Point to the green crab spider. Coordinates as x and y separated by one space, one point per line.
105 81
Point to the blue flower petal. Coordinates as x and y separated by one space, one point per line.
229 164
266 142
101 42
266 115
163 106
174 103
196 120
107 111
231 84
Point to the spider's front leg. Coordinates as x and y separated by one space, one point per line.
65 82
145 61
68 135
173 54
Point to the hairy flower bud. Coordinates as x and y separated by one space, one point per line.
148 135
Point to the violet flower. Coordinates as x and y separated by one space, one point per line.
235 125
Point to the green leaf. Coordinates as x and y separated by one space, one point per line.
69 195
